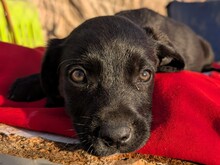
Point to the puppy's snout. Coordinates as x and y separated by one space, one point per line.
115 135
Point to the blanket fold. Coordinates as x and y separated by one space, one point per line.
186 109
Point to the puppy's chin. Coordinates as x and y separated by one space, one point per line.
102 150
99 148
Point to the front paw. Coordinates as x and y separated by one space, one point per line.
26 89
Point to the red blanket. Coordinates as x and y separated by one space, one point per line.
186 109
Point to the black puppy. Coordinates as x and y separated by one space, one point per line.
103 73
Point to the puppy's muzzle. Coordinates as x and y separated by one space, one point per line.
114 130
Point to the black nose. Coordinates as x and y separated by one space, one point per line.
113 135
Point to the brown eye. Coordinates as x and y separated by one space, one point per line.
78 76
145 75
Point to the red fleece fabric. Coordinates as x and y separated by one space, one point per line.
186 109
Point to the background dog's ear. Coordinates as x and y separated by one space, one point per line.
169 59
207 51
50 74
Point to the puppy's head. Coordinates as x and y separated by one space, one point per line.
104 71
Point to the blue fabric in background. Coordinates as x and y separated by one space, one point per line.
203 18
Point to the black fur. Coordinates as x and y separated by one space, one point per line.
111 106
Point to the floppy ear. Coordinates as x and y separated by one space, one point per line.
169 59
50 74
207 51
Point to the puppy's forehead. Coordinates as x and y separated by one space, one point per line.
110 39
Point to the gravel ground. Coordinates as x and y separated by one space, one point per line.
66 154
